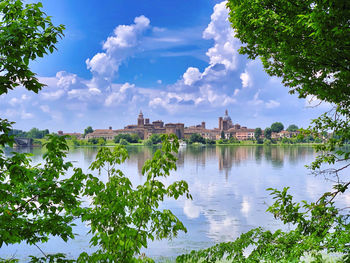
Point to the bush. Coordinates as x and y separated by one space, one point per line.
209 141
267 142
101 141
93 141
130 138
197 138
148 142
123 142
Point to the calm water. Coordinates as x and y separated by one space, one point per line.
228 185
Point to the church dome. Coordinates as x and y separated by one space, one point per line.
226 117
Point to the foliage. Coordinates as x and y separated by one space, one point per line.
101 141
259 141
317 226
88 130
222 135
292 128
25 34
267 141
267 133
209 141
35 200
195 137
257 133
131 138
123 217
277 127
306 43
153 139
93 140
33 133
123 142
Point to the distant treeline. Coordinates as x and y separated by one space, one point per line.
34 133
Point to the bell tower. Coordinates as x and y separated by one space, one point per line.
140 120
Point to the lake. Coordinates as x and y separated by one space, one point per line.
228 185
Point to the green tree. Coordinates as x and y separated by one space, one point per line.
135 138
101 141
25 34
195 137
123 218
292 128
93 140
277 127
257 133
222 135
35 201
305 43
35 133
130 138
88 130
123 142
267 133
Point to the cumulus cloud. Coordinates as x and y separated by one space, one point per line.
118 47
123 94
246 80
225 49
212 87
54 95
191 75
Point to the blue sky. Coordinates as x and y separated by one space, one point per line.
175 60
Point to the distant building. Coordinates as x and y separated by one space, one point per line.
143 128
77 135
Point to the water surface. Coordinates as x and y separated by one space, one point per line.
228 185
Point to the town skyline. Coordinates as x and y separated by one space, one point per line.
175 65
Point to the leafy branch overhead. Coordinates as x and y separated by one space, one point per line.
306 43
26 33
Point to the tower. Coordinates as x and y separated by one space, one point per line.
140 120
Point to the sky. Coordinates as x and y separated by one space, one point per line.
177 61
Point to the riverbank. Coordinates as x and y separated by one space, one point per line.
111 143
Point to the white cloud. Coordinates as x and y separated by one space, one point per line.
25 97
55 95
14 101
118 47
191 75
212 87
271 104
102 64
45 108
26 115
125 94
246 80
126 36
66 80
225 49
